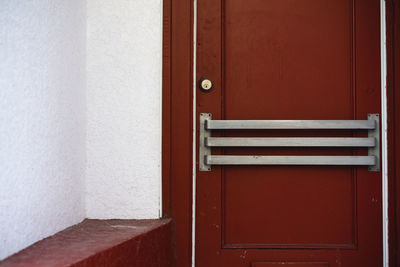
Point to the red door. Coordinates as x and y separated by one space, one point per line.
288 60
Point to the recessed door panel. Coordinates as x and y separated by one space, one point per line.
274 208
290 264
282 56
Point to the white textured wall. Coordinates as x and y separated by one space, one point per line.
123 108
42 119
80 106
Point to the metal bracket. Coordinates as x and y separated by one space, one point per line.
204 150
376 150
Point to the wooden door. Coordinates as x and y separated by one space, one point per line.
289 60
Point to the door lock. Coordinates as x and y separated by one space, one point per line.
206 84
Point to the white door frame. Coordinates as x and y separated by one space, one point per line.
385 177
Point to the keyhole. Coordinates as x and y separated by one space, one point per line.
205 84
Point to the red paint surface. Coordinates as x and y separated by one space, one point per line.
291 264
177 123
393 88
289 60
102 243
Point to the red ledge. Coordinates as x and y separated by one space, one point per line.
102 243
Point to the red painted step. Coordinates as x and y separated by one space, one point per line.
102 243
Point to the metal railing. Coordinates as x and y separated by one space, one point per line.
206 159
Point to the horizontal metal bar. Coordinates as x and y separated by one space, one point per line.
290 124
290 160
289 142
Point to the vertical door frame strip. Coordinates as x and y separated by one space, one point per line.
177 124
393 102
166 110
194 134
385 189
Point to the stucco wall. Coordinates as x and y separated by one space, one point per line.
123 108
42 119
80 118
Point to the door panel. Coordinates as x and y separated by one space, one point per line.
289 60
291 52
313 211
291 264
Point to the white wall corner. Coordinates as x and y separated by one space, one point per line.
124 47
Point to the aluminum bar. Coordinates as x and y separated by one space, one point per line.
290 124
289 142
290 160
